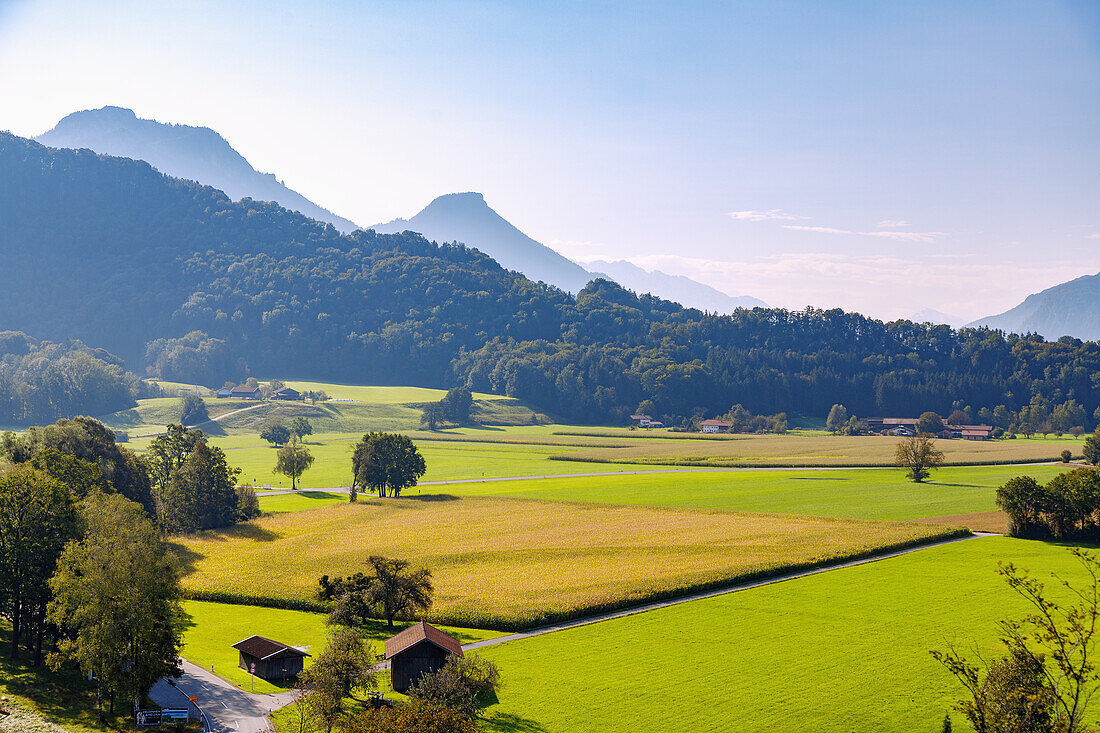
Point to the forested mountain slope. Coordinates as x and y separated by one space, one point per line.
110 251
1072 308
194 153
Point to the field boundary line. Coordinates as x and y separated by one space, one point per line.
641 472
718 592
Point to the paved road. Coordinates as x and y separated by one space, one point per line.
712 593
228 708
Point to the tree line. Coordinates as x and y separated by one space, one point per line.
41 381
203 281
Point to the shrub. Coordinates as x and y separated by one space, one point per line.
1067 456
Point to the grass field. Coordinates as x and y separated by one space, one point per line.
445 460
506 562
873 493
841 651
215 627
870 493
823 450
64 698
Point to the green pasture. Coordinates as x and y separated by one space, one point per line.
877 493
845 650
446 460
214 627
871 493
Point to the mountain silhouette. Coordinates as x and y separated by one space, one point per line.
1069 309
193 153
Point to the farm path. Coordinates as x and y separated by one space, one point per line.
219 418
712 593
226 707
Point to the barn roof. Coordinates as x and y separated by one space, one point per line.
263 648
417 633
244 389
719 423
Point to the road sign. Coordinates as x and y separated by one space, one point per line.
193 698
252 668
174 715
148 717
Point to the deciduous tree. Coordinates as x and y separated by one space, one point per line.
386 463
918 454
292 461
465 684
276 433
201 493
395 589
1046 681
929 423
837 419
117 596
37 519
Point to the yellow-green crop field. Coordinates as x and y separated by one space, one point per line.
509 562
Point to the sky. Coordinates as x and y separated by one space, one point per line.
879 157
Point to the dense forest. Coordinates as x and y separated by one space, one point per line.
42 381
176 277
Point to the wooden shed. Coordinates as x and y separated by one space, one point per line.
419 649
274 661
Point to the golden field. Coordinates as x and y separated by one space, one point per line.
513 562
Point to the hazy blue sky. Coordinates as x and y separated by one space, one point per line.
878 156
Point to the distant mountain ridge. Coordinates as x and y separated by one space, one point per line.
1069 309
467 218
677 288
192 153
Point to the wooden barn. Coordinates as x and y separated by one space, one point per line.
419 649
274 661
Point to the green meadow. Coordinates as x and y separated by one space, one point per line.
845 650
873 493
876 494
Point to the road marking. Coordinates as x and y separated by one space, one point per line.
225 706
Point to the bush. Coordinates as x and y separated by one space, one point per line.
1067 456
1067 508
464 684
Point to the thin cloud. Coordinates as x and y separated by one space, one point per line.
892 224
768 215
926 237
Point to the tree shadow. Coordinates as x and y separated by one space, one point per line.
430 497
245 530
186 557
509 723
817 478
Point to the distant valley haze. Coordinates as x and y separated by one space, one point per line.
942 163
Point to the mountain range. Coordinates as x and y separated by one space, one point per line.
1069 309
193 153
180 280
467 218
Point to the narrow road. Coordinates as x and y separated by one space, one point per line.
219 418
227 708
712 593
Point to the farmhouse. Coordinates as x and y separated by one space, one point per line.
272 660
244 392
419 649
715 426
224 392
641 420
904 426
287 393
